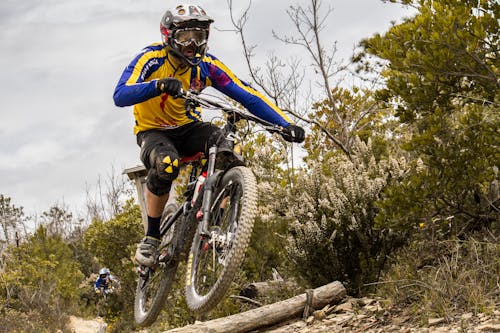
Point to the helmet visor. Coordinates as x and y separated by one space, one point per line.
185 37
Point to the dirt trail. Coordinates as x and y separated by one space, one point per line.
80 325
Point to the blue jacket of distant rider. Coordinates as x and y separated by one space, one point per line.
102 282
137 86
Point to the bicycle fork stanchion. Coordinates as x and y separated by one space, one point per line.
208 191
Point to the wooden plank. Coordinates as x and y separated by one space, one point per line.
138 175
135 172
268 315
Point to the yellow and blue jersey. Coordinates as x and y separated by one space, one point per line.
137 86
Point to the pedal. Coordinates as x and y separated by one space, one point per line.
164 255
142 271
186 207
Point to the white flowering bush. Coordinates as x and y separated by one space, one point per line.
333 234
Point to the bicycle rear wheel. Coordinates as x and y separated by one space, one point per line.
154 284
213 261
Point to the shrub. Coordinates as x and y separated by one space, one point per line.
441 278
333 236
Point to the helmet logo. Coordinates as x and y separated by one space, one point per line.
194 11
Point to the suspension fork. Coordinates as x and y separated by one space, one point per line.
212 178
209 187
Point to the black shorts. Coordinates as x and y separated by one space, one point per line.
160 148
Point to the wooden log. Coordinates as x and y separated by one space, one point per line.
266 288
269 314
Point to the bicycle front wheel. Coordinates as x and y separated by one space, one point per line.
214 260
154 284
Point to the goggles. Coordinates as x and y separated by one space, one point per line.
185 37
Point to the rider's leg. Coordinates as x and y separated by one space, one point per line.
155 205
160 156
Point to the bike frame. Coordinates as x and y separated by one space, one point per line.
212 178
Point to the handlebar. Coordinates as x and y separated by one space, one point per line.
194 99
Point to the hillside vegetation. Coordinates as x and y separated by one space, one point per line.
396 194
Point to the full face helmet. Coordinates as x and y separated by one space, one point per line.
104 272
186 27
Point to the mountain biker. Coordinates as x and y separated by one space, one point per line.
105 281
165 130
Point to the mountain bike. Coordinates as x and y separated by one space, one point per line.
211 229
102 297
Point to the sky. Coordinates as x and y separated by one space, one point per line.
60 131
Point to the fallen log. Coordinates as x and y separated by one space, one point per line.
268 315
265 288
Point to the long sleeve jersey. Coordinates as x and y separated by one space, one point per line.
152 110
106 282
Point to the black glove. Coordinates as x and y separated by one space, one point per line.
293 133
169 86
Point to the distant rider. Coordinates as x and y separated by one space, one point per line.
105 282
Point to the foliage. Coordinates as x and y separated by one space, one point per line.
113 244
360 115
439 278
442 74
334 235
108 197
41 277
453 187
441 70
447 52
33 321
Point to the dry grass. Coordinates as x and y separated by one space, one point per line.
445 278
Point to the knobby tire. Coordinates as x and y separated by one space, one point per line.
205 287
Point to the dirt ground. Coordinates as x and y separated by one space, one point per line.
354 315
80 325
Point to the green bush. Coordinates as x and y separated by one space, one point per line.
40 281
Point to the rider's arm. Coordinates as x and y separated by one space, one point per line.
222 79
114 279
132 88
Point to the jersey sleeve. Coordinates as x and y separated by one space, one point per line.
133 87
226 82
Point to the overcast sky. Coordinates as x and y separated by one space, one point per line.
61 59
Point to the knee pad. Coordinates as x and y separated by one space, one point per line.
164 170
156 185
167 167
